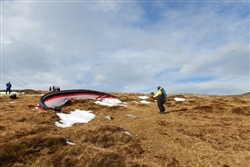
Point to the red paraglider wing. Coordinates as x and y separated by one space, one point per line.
58 98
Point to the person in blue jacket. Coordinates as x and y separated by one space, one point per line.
161 96
8 87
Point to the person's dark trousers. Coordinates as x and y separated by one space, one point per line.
8 90
160 103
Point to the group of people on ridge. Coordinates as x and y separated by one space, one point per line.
54 88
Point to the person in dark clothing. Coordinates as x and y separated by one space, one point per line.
8 87
161 96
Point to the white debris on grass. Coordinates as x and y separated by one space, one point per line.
131 115
77 116
70 143
179 99
128 133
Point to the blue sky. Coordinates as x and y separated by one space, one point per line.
126 46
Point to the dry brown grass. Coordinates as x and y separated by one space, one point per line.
201 131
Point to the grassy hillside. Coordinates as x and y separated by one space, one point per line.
201 131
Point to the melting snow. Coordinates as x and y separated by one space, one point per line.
10 93
144 101
143 97
108 102
77 116
179 99
81 116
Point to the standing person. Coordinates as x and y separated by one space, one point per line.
8 87
161 96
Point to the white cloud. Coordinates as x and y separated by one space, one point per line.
100 78
125 46
228 60
232 86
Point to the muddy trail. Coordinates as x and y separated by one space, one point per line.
202 131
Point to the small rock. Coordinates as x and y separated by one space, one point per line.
109 117
131 115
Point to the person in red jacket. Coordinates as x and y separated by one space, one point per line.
161 96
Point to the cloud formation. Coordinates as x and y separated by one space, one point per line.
126 46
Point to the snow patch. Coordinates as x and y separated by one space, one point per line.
108 102
144 102
143 97
77 116
179 99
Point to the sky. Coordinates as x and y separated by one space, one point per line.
126 45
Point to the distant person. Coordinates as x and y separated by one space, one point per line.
161 96
50 88
8 87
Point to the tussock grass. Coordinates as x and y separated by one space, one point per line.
201 131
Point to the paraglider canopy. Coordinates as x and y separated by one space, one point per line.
56 99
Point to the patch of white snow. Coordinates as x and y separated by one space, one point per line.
77 116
